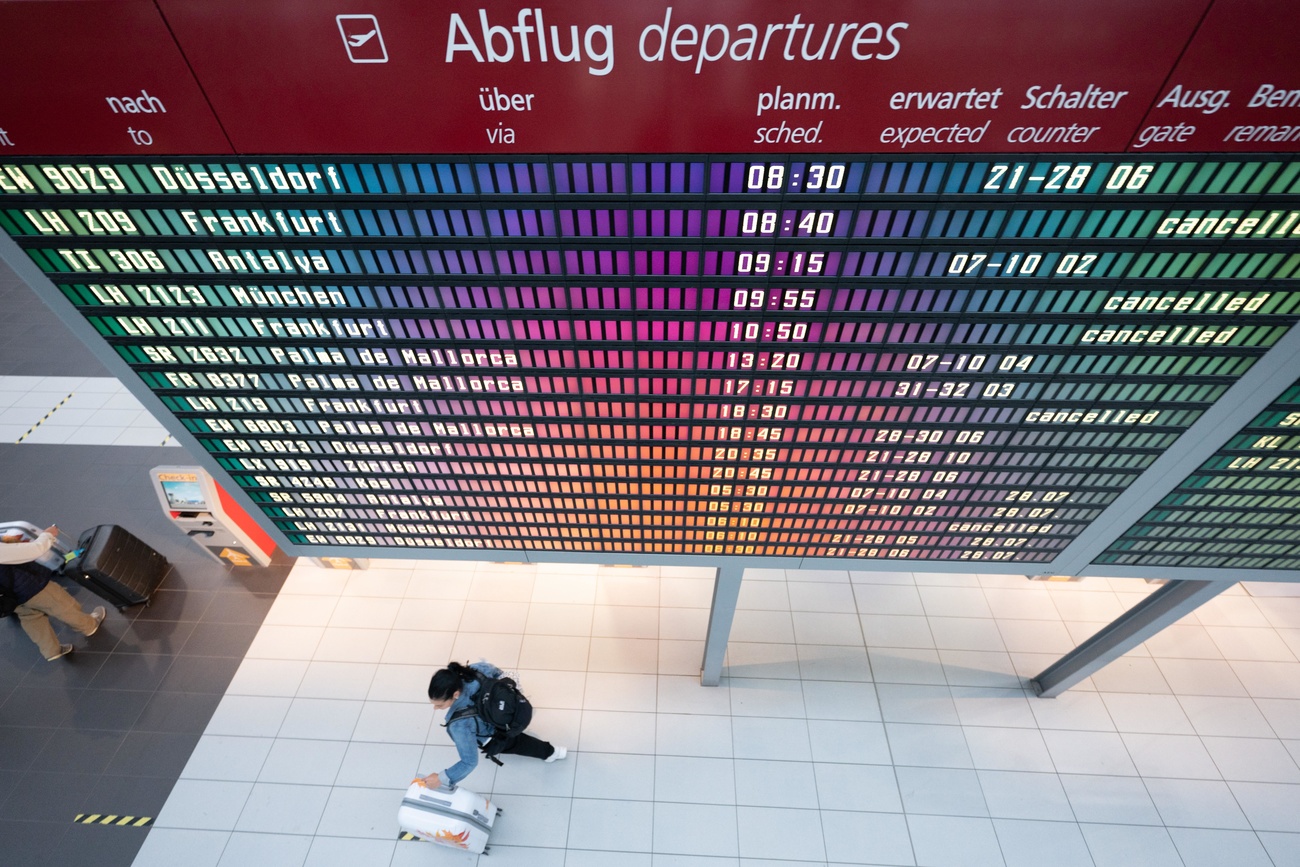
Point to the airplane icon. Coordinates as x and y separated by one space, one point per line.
362 39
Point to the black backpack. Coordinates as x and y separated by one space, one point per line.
500 703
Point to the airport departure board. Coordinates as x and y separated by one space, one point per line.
954 335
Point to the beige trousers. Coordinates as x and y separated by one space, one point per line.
53 601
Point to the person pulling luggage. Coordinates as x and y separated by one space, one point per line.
472 725
38 598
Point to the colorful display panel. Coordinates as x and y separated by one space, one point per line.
1240 510
947 359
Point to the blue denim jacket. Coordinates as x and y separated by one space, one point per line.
468 732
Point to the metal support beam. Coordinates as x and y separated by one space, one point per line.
1170 603
1256 389
726 592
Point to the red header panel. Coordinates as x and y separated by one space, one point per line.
100 77
1237 88
692 76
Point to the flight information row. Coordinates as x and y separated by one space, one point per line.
561 176
635 223
828 264
632 300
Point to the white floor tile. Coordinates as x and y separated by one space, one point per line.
778 739
953 841
611 826
360 812
917 704
694 780
348 852
550 618
328 719
992 706
396 723
1007 749
1021 795
409 683
866 838
555 652
888 599
681 694
773 627
615 776
764 833
1283 715
791 785
303 762
1181 756
833 662
347 680
365 612
1254 760
1088 753
167 847
246 848
617 732
411 647
534 821
247 715
1269 806
1156 714
628 655
752 659
751 696
1028 843
896 630
429 615
692 735
211 805
941 791
1196 803
697 831
378 766
914 665
279 809
621 692
841 701
624 621
848 742
1126 845
339 644
966 633
822 627
1226 717
932 746
278 677
223 757
1200 847
1110 800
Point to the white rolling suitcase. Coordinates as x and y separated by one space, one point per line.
451 816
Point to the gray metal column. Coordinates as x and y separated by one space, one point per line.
726 591
1256 389
1170 603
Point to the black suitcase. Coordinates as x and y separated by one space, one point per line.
116 566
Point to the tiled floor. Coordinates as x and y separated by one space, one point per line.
75 410
110 728
863 718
